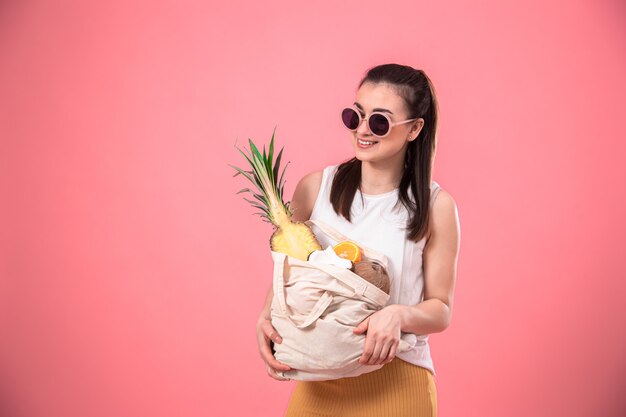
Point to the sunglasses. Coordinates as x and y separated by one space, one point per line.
379 123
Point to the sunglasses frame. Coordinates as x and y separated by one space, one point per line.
361 119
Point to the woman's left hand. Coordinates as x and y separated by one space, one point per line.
383 335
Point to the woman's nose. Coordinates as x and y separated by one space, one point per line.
363 129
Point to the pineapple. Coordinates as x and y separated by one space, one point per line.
294 239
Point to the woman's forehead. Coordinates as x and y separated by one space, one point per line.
371 96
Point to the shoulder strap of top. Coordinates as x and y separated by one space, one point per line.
434 191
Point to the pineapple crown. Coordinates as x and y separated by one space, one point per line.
264 175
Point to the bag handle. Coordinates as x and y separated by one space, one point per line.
343 275
359 285
338 236
279 291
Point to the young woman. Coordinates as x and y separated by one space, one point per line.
385 198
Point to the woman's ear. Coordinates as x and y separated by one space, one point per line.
416 128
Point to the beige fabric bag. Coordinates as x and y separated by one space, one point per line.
315 309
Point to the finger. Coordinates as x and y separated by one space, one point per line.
376 354
384 352
362 327
272 373
277 377
269 358
271 333
367 350
392 352
279 366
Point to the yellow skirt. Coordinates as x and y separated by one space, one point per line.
397 389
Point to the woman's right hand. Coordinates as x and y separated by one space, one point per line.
266 333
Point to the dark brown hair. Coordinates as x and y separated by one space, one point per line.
418 93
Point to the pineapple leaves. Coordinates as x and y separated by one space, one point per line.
270 159
255 204
281 183
277 164
264 174
259 197
271 152
254 178
245 156
264 171
245 173
255 152
260 167
263 217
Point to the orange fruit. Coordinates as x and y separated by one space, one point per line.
348 250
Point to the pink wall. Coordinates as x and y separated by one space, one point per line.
132 275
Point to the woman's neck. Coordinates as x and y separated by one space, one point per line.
380 177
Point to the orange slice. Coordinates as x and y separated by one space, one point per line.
348 250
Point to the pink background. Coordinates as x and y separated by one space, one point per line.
132 275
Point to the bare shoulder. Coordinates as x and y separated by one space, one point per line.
305 194
444 218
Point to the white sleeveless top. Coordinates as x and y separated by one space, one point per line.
377 225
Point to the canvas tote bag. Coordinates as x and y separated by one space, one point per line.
316 307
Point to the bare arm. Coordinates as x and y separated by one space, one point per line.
432 315
304 196
440 257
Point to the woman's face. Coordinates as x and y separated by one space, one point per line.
393 146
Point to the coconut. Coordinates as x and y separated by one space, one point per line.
372 272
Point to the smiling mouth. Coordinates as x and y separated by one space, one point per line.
366 142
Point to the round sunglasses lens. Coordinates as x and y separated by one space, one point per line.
350 118
379 125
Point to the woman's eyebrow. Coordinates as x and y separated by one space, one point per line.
376 109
